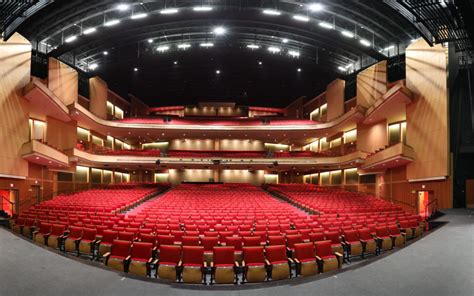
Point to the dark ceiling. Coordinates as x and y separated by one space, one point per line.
324 54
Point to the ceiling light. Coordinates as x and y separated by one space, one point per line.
134 69
70 38
347 34
315 7
168 11
184 46
123 7
207 44
299 69
274 49
89 31
253 46
202 8
326 25
105 52
341 68
260 63
163 48
284 40
93 66
271 12
413 40
388 48
111 23
219 31
218 71
139 16
150 40
294 53
364 42
301 18
175 62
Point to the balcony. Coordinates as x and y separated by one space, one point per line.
42 154
44 102
394 156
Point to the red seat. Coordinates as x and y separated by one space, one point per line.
119 256
193 264
190 240
251 241
276 240
224 266
141 258
209 243
278 264
305 259
327 259
170 256
254 264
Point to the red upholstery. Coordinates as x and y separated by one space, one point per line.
304 252
254 256
141 251
193 256
165 240
190 240
170 254
120 249
250 241
323 249
277 240
276 254
223 256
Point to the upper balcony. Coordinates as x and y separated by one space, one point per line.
45 155
394 156
44 102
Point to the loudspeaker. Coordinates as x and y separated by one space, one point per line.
158 162
216 161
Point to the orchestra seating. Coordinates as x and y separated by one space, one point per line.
219 233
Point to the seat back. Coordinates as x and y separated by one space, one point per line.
89 234
148 238
126 236
393 230
381 231
190 240
45 228
351 235
193 255
275 240
251 241
58 229
323 248
364 234
121 248
223 255
75 232
254 255
333 236
304 251
276 253
165 240
209 243
170 253
234 241
293 239
142 250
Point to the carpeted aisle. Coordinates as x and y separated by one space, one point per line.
441 263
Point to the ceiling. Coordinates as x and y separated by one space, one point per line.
313 48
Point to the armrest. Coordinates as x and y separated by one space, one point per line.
205 264
154 262
106 255
291 260
150 260
97 242
154 249
243 263
236 264
212 264
319 258
296 260
34 232
267 262
180 263
338 254
128 258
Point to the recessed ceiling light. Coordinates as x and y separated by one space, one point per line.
184 46
284 40
135 69
169 11
301 18
299 70
260 63
89 31
105 52
365 42
175 62
347 34
218 71
150 40
253 46
202 8
111 23
70 38
389 47
271 12
219 30
93 66
315 7
139 16
341 68
326 25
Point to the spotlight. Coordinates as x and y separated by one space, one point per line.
299 69
347 34
274 49
284 40
218 72
271 12
207 44
202 8
139 16
260 63
253 46
294 53
150 40
163 48
93 66
89 31
169 11
123 7
219 30
301 18
111 23
326 25
365 42
184 46
70 38
135 69
105 52
315 7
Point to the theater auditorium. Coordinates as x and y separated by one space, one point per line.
237 147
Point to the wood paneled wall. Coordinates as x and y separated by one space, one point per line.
427 116
372 137
335 99
98 97
242 176
62 135
15 63
63 81
470 193
371 84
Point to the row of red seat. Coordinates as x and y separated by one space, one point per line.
218 122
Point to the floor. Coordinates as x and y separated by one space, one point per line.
441 263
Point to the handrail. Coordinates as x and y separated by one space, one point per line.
9 201
435 201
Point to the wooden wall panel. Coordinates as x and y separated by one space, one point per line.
236 144
190 175
241 176
371 84
62 135
191 144
295 109
427 116
15 63
335 99
63 81
98 97
372 137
